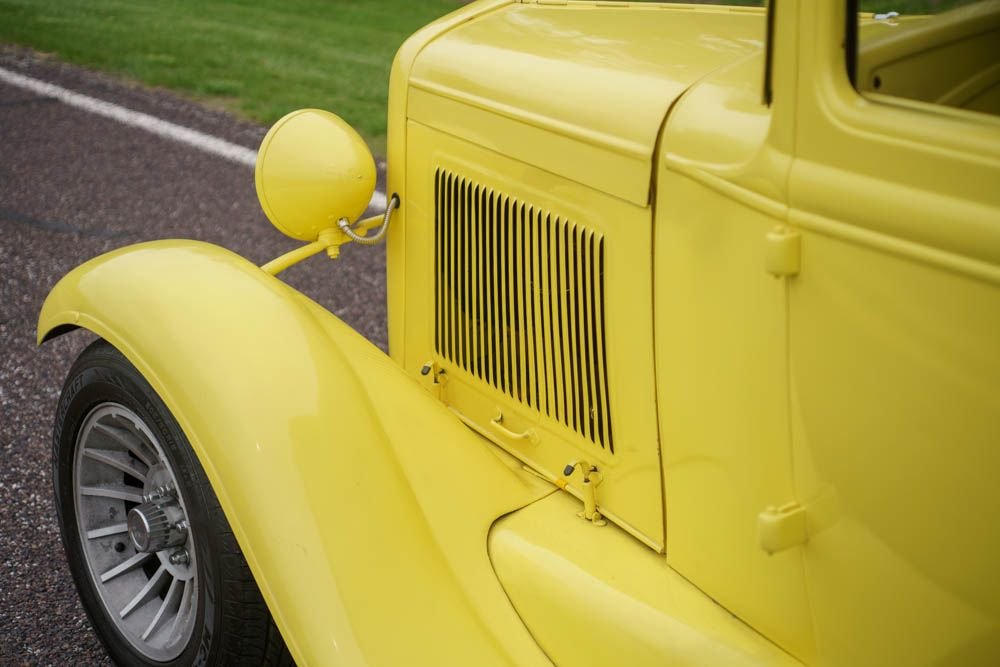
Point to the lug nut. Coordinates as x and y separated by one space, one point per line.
180 557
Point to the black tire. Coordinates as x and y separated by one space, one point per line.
226 621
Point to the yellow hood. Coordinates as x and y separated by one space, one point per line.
605 76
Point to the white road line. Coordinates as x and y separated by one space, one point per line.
157 126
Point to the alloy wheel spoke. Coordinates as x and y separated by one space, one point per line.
183 607
148 592
125 566
116 492
126 439
116 529
169 600
123 464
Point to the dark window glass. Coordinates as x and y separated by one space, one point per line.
942 52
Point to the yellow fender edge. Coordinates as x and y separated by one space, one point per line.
361 504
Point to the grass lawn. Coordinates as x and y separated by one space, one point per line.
255 57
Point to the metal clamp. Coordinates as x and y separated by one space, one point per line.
592 477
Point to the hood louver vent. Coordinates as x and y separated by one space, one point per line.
519 295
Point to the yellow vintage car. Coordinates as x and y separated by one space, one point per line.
695 360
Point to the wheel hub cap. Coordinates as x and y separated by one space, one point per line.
157 525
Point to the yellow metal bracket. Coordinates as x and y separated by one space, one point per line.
781 528
782 256
330 240
592 478
434 378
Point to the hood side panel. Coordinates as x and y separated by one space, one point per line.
579 90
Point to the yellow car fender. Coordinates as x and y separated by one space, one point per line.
361 503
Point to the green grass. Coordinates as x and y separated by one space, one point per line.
258 58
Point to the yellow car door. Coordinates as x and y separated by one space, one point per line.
894 334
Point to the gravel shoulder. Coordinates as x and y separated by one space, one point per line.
72 186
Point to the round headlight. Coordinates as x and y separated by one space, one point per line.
312 170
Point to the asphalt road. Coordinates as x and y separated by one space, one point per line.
72 186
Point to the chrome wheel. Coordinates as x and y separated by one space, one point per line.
158 568
133 524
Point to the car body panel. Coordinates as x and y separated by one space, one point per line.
725 445
554 141
551 85
721 343
630 492
399 82
894 360
561 575
889 325
337 472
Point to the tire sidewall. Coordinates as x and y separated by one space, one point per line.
102 375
